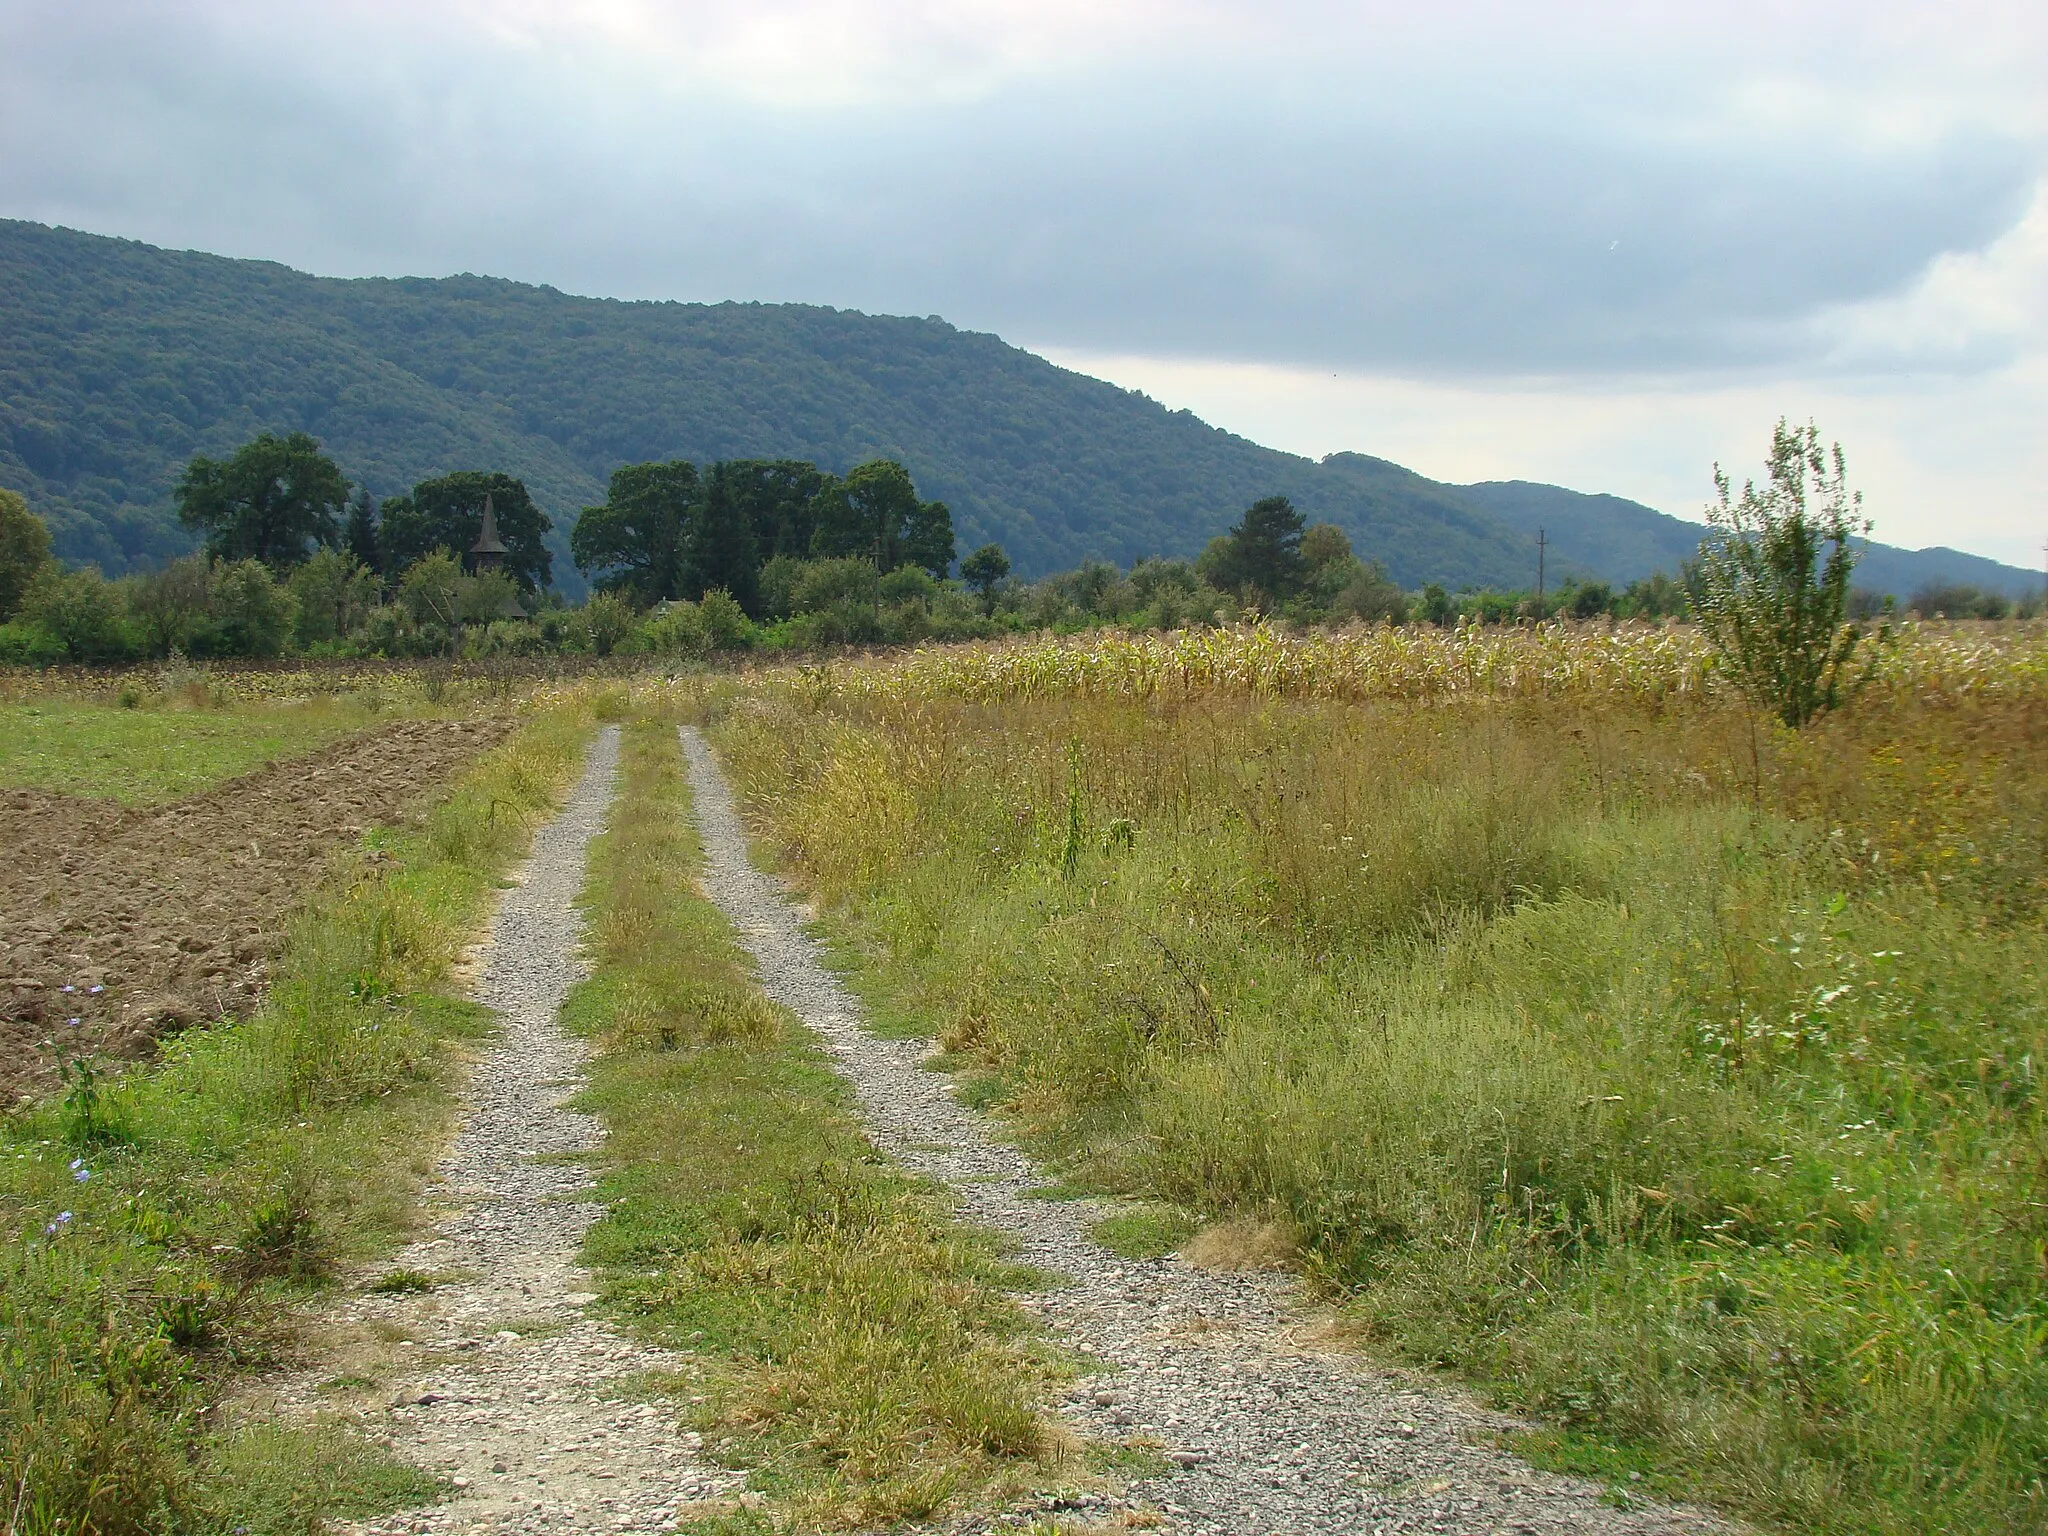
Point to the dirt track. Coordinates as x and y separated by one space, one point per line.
173 911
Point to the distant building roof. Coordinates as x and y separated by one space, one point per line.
487 540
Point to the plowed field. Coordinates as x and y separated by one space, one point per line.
136 922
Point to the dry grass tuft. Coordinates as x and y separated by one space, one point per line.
1241 1243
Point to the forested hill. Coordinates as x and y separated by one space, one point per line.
118 361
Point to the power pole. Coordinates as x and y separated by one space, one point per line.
1540 542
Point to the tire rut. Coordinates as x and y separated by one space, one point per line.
508 1386
1263 1432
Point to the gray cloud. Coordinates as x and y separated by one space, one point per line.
1335 213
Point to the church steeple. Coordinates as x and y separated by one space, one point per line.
488 552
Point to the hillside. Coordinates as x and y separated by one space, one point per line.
1619 541
118 361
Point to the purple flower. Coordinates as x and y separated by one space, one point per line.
95 991
69 988
79 1171
71 1021
56 1227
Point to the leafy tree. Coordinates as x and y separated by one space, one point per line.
1591 599
780 499
982 570
172 602
269 502
874 514
1261 555
431 589
24 551
928 538
1774 575
637 539
1324 545
252 609
1436 606
719 543
334 591
448 513
1370 596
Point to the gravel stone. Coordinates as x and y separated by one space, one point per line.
508 1387
1262 1430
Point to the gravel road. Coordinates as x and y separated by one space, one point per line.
1264 1432
504 1384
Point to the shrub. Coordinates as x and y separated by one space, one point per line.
1775 613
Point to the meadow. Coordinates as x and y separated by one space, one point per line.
1670 1073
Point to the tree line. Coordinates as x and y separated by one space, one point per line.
767 553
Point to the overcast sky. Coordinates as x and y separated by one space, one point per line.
1599 244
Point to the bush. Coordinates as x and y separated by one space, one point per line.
1777 616
726 626
253 613
82 611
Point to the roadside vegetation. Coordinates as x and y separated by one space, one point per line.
158 1226
851 1346
1579 1024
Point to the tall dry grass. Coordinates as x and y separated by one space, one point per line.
1675 1074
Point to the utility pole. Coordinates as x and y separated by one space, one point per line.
1540 542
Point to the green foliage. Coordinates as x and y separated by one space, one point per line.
982 570
636 539
1958 600
170 604
334 592
1777 614
81 611
255 611
606 621
447 513
874 513
24 551
269 501
147 756
1261 558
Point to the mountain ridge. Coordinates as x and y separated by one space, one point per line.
119 360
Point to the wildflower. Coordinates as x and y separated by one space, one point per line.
69 988
79 1171
95 990
55 1229
71 1021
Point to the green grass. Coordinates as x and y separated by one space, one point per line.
147 756
850 1346
209 1194
1681 1086
1146 1231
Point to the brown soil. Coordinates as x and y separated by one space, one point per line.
138 922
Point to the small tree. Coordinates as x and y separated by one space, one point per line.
1773 579
171 602
982 570
255 611
24 551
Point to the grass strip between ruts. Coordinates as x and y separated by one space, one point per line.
847 1343
157 1229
